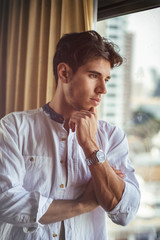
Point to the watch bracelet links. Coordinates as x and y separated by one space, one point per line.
91 161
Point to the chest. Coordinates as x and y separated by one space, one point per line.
55 165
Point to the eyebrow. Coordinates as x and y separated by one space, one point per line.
98 73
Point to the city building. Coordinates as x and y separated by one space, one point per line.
115 107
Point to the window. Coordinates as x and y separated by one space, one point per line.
111 95
133 103
113 36
112 85
110 114
113 26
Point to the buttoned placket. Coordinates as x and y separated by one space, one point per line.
63 136
72 168
62 174
63 143
68 165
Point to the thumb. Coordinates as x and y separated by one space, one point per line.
72 125
92 110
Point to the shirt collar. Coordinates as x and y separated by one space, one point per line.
53 115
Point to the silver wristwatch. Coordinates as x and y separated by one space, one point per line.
97 157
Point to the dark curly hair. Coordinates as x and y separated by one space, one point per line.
76 49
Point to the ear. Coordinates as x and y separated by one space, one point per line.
64 72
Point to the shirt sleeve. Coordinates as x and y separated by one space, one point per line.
118 157
17 205
127 208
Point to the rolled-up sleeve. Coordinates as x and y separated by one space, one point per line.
128 206
118 157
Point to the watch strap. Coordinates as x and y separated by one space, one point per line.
93 159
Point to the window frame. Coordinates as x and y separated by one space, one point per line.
114 8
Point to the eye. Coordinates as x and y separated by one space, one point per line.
106 81
93 75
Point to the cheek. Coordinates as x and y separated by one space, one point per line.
85 86
82 92
80 89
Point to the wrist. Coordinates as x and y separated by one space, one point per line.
97 157
89 148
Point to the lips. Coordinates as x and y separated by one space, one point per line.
95 101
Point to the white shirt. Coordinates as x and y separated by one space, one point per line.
34 153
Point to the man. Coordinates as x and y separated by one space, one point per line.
61 170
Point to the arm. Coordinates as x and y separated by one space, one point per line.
111 191
63 209
108 186
17 205
24 208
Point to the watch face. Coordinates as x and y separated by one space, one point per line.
100 155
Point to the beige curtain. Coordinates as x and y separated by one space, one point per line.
29 31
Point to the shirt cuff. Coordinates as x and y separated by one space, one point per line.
44 204
127 207
121 202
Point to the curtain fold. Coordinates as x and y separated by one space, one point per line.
29 32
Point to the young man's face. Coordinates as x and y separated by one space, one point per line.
86 86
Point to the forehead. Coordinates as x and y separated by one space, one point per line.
100 65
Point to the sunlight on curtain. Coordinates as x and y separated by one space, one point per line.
29 31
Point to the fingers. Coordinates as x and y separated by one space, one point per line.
92 110
72 126
119 172
79 116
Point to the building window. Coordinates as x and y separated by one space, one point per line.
112 85
113 36
113 27
111 95
110 115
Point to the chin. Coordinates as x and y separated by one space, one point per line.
80 107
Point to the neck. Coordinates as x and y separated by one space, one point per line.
60 106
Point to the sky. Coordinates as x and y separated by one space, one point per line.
146 28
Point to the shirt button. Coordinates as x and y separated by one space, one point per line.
31 159
62 186
61 161
54 235
63 139
60 118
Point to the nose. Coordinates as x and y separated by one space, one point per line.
101 88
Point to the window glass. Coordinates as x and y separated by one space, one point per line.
133 103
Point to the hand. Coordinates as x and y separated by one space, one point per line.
88 198
119 173
85 124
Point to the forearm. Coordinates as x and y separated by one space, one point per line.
64 209
107 184
60 210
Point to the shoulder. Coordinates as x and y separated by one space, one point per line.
110 136
17 118
108 130
114 142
